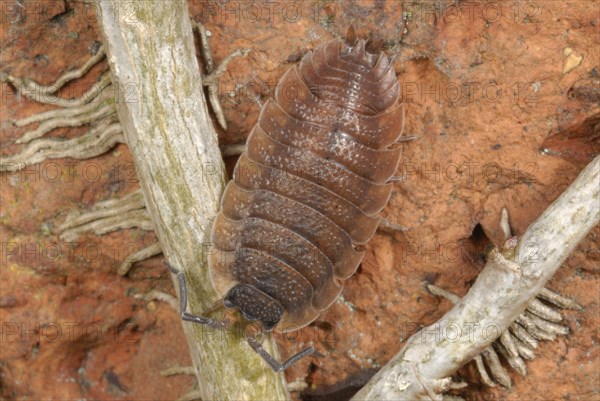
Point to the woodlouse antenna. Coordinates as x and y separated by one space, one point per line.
214 323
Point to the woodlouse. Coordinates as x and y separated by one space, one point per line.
307 190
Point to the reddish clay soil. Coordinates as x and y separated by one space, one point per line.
504 99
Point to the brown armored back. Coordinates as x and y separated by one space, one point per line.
306 192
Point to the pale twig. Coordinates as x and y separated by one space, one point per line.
97 141
516 281
66 112
168 147
155 295
108 208
21 87
138 218
528 328
103 110
558 300
497 371
142 254
178 370
191 395
32 86
213 74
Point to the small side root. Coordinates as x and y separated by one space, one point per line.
132 219
499 374
518 342
143 254
100 111
21 85
192 395
391 228
213 73
28 85
155 295
95 108
97 141
84 104
558 300
107 208
178 370
107 216
485 377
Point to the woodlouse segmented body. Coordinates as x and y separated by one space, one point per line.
306 192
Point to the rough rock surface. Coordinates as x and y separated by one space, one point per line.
505 100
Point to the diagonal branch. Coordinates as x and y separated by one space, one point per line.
501 293
176 154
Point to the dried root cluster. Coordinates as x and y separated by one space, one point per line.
96 109
540 321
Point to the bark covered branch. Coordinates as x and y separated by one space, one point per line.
168 130
510 279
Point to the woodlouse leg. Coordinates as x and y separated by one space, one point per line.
406 139
276 365
215 324
388 226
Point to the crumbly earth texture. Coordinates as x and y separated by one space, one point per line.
504 99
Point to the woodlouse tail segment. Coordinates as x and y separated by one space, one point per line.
351 38
214 323
374 44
